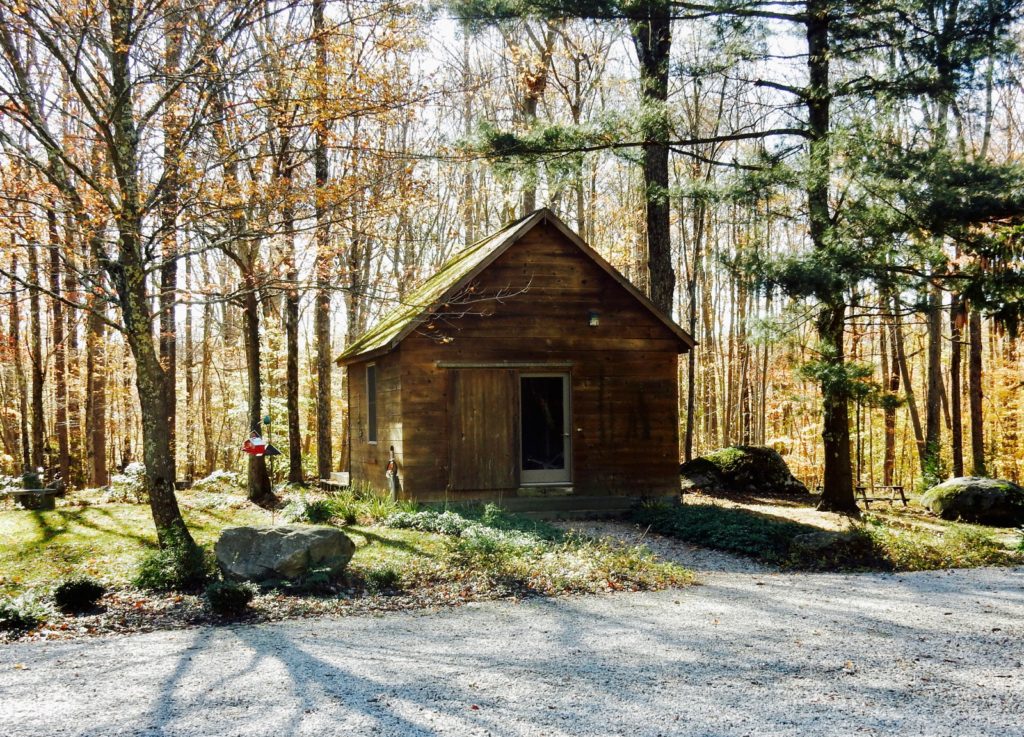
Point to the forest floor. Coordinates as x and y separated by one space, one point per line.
89 535
417 564
913 516
769 529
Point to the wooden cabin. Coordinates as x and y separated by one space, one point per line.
527 371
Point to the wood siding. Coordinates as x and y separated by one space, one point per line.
531 308
482 447
368 460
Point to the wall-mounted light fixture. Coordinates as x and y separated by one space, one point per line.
594 318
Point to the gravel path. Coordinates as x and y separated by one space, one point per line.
747 653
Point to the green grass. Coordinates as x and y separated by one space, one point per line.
104 541
873 544
732 529
492 551
956 546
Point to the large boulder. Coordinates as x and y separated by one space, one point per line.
977 499
741 468
286 552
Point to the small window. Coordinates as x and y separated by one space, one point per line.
371 403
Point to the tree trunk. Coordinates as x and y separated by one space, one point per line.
190 383
691 359
652 38
536 80
36 359
956 322
291 326
322 313
205 410
933 405
260 490
60 379
1011 380
151 382
837 494
129 278
975 395
19 368
72 361
96 392
901 355
891 374
169 216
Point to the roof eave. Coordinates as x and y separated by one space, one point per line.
369 355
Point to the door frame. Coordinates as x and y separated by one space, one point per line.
547 477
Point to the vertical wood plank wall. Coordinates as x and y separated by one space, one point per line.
368 459
482 436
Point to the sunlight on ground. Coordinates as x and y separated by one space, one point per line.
105 541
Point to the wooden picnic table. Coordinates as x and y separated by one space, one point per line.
861 492
894 491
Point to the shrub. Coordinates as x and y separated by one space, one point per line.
858 548
345 510
130 486
316 512
381 506
218 480
77 595
494 516
443 523
961 546
228 598
178 566
21 613
382 578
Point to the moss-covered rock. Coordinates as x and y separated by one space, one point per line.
741 468
976 499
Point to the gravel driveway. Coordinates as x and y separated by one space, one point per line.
750 652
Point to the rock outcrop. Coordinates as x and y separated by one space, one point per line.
741 468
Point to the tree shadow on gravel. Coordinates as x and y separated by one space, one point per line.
821 654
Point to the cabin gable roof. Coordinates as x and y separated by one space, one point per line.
465 266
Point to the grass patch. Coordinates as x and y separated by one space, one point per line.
732 529
872 544
490 549
404 558
957 546
38 548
